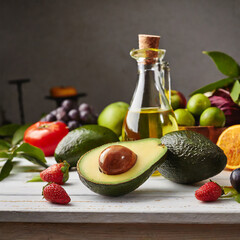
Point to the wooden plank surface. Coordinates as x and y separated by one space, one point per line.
156 201
76 231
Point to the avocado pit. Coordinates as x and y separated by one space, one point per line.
116 159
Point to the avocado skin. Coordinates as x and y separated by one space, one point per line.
81 140
115 190
191 157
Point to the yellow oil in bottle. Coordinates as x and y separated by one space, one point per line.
148 123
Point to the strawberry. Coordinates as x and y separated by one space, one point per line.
55 193
209 192
57 173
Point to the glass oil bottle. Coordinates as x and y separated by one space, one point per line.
150 115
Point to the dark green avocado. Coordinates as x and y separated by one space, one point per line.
150 155
191 157
81 140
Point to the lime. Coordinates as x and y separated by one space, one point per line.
184 117
212 116
198 103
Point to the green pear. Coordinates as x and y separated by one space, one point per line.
113 116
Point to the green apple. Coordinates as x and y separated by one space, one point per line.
113 116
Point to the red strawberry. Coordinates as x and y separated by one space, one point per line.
54 193
57 173
209 192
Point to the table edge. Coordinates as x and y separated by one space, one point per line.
90 217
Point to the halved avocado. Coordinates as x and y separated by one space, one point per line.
150 155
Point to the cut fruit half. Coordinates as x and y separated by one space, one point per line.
150 155
229 142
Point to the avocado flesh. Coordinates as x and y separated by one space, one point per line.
191 157
151 154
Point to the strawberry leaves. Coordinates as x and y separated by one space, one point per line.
36 178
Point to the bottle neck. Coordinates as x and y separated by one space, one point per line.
149 92
148 67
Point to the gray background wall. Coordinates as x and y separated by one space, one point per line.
86 44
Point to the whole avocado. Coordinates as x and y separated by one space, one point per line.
81 140
191 157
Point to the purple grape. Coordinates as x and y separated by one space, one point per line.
74 114
50 118
73 124
68 104
85 107
62 115
86 117
54 112
235 179
59 109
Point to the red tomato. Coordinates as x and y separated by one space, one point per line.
46 135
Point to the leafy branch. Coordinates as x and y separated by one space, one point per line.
12 146
230 68
230 192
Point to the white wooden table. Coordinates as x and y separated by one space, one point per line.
159 208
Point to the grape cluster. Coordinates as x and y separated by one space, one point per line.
72 115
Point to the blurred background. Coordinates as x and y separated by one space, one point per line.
86 44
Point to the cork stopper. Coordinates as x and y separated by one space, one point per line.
149 41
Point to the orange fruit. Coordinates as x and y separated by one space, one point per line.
63 91
229 142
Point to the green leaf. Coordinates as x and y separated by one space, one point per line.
36 178
213 86
18 135
235 93
32 159
8 130
31 153
5 155
230 191
4 145
225 64
237 197
6 169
